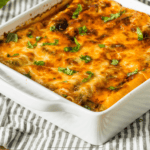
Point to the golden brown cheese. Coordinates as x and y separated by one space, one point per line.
109 83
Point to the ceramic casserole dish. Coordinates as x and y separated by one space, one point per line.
93 127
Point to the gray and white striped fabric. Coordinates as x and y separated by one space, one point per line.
21 129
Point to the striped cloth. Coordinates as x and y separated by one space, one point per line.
21 129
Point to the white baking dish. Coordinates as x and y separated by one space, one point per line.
93 127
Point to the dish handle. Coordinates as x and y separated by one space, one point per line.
39 104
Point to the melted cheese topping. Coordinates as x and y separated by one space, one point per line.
121 43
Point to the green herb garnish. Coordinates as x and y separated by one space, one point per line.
65 81
3 3
140 34
75 40
34 45
29 34
73 49
52 28
15 55
55 43
114 62
101 45
39 63
89 77
38 38
133 73
28 75
83 30
12 37
112 88
64 95
66 71
113 16
87 107
144 69
86 58
77 11
30 45
12 55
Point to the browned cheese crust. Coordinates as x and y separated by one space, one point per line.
108 83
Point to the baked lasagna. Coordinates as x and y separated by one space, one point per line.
92 52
